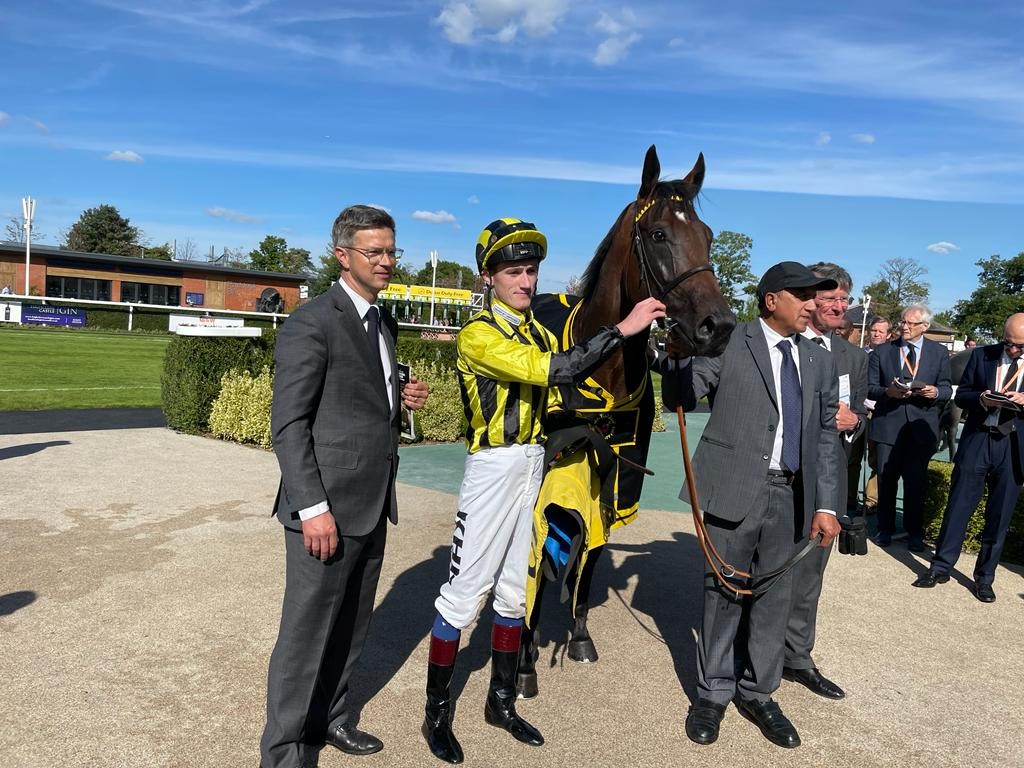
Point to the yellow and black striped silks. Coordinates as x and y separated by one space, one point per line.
504 365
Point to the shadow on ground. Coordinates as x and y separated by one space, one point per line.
79 420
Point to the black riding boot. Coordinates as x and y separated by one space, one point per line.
437 725
500 709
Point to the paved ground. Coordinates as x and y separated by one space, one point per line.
140 587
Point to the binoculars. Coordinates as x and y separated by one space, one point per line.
853 538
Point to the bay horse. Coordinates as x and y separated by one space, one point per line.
599 431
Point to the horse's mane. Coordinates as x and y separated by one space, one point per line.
662 191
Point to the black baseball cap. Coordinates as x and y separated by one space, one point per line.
792 274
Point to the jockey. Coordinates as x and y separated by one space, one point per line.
505 365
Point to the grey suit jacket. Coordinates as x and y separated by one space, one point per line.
732 459
334 432
852 362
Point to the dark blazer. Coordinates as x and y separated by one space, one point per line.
733 457
851 361
334 433
979 376
918 414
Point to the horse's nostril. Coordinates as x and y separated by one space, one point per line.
706 330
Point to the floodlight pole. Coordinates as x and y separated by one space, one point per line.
28 210
433 284
866 304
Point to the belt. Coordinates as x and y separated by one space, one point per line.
780 477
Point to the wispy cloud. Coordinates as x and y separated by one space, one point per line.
124 156
823 138
473 200
435 217
230 215
4 117
465 22
621 34
40 126
863 138
943 247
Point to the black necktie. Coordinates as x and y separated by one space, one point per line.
819 341
1006 416
373 336
792 408
911 358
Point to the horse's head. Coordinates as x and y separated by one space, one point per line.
672 247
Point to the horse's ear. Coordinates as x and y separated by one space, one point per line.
696 174
652 170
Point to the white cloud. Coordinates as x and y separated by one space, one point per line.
499 20
621 35
863 138
124 156
435 217
40 126
230 215
473 200
943 247
4 117
823 138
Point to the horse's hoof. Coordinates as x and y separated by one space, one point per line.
526 685
582 651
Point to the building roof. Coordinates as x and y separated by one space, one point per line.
145 265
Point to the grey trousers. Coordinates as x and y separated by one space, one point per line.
763 540
324 621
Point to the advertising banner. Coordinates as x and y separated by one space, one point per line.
45 314
176 321
10 311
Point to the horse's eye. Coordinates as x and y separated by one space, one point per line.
658 235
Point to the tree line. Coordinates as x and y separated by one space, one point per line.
900 281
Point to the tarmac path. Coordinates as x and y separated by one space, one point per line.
140 590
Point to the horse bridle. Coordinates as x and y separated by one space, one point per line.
647 275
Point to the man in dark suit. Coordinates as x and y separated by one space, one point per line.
335 422
991 453
768 471
909 381
851 366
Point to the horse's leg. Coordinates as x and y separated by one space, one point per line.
526 677
581 646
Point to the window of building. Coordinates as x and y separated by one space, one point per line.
148 293
77 288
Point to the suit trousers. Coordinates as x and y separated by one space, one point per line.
983 460
803 616
765 539
324 621
908 459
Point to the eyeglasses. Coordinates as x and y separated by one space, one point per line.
376 255
908 322
1007 344
842 300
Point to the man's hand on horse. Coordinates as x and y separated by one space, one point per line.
640 319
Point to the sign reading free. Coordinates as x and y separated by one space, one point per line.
44 314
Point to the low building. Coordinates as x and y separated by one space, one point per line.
58 273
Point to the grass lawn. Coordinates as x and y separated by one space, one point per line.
53 368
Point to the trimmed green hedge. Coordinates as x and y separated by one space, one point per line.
241 411
194 367
939 475
410 348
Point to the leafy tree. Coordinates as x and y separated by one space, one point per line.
450 274
730 256
899 282
573 285
15 231
103 230
274 255
999 294
159 252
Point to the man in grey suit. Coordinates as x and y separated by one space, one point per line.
852 368
767 471
335 422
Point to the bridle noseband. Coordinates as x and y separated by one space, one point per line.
655 287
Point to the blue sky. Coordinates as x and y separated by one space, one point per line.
847 132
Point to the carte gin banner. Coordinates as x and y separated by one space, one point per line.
44 314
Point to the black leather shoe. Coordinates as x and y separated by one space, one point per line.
352 741
985 593
883 539
815 682
930 578
767 715
703 720
915 544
